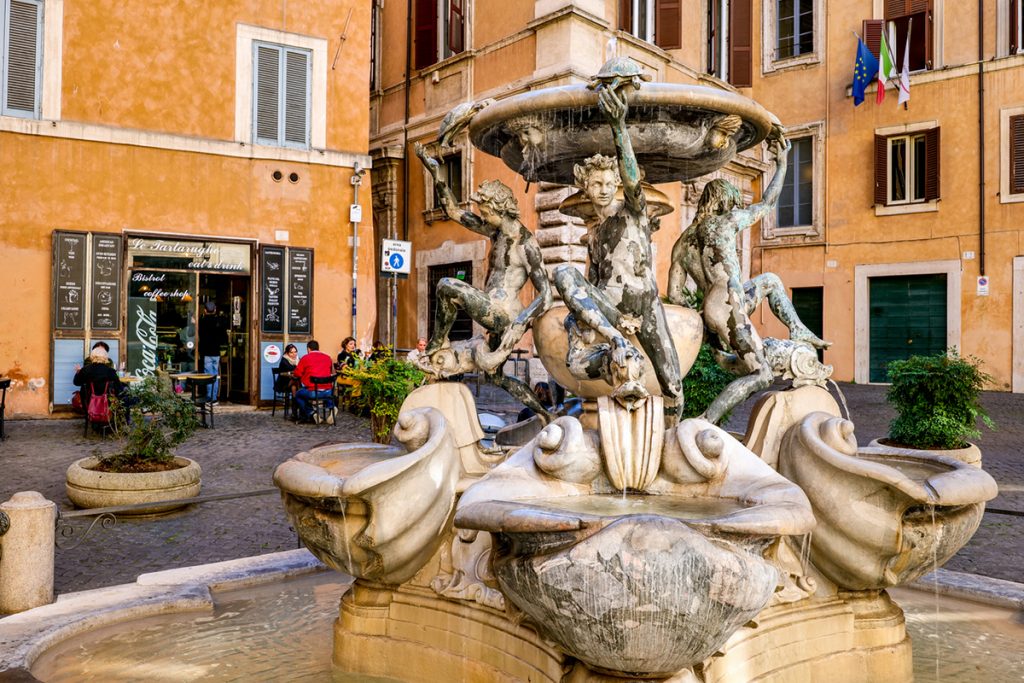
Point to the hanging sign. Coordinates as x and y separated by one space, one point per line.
983 285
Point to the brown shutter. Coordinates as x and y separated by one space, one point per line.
881 170
626 15
1013 26
456 26
872 31
668 24
929 33
426 33
931 168
894 9
741 67
1017 154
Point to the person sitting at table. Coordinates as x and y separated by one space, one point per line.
314 364
97 372
289 361
349 353
414 355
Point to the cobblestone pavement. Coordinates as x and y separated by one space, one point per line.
241 453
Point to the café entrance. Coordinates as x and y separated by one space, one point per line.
170 284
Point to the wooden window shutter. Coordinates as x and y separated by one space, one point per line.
931 153
741 55
894 9
426 33
881 170
626 15
296 98
668 24
1017 154
1014 13
23 59
456 26
872 32
268 93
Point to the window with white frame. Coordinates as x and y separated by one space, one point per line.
718 38
281 102
729 40
638 18
21 57
794 30
796 203
654 21
907 168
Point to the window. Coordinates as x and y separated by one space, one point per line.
1016 26
655 21
440 30
1016 170
452 172
915 16
795 28
730 40
907 168
21 59
375 17
796 202
282 95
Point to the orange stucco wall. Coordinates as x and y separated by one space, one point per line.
179 83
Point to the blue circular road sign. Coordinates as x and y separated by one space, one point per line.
396 261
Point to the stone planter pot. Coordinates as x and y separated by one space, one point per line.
90 488
970 455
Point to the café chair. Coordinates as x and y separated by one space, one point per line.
324 407
199 388
283 397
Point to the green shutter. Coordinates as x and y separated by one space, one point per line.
907 318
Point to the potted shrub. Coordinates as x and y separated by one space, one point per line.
937 406
144 469
380 387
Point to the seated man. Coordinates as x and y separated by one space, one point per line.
314 364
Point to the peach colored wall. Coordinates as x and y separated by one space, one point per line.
179 80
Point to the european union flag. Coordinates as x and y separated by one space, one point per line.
865 71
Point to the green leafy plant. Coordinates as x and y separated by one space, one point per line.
160 421
703 383
380 387
936 400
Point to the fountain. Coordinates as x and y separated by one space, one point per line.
628 543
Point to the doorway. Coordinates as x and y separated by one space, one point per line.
230 294
908 317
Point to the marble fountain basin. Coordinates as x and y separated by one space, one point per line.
375 512
884 518
542 134
552 343
628 585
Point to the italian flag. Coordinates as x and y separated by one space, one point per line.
886 68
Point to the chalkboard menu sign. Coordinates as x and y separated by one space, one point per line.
106 282
300 288
272 298
69 280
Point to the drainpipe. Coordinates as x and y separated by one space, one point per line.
981 137
405 139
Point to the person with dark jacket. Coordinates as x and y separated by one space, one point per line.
213 336
96 373
349 354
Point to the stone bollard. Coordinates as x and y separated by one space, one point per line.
26 552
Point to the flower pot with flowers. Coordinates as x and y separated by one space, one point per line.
380 387
149 422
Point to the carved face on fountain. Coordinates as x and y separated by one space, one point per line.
599 179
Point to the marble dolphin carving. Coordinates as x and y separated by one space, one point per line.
376 512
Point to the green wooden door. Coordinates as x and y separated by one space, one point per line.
809 303
908 318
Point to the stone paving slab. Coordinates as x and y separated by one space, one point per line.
241 453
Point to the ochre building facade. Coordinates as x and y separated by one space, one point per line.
157 159
899 230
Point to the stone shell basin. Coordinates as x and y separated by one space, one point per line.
552 344
641 594
542 134
375 512
884 518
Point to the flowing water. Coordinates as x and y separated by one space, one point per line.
283 632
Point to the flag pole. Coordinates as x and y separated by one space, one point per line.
910 27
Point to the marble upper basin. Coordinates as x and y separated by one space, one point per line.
541 134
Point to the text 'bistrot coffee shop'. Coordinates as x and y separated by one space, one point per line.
148 298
